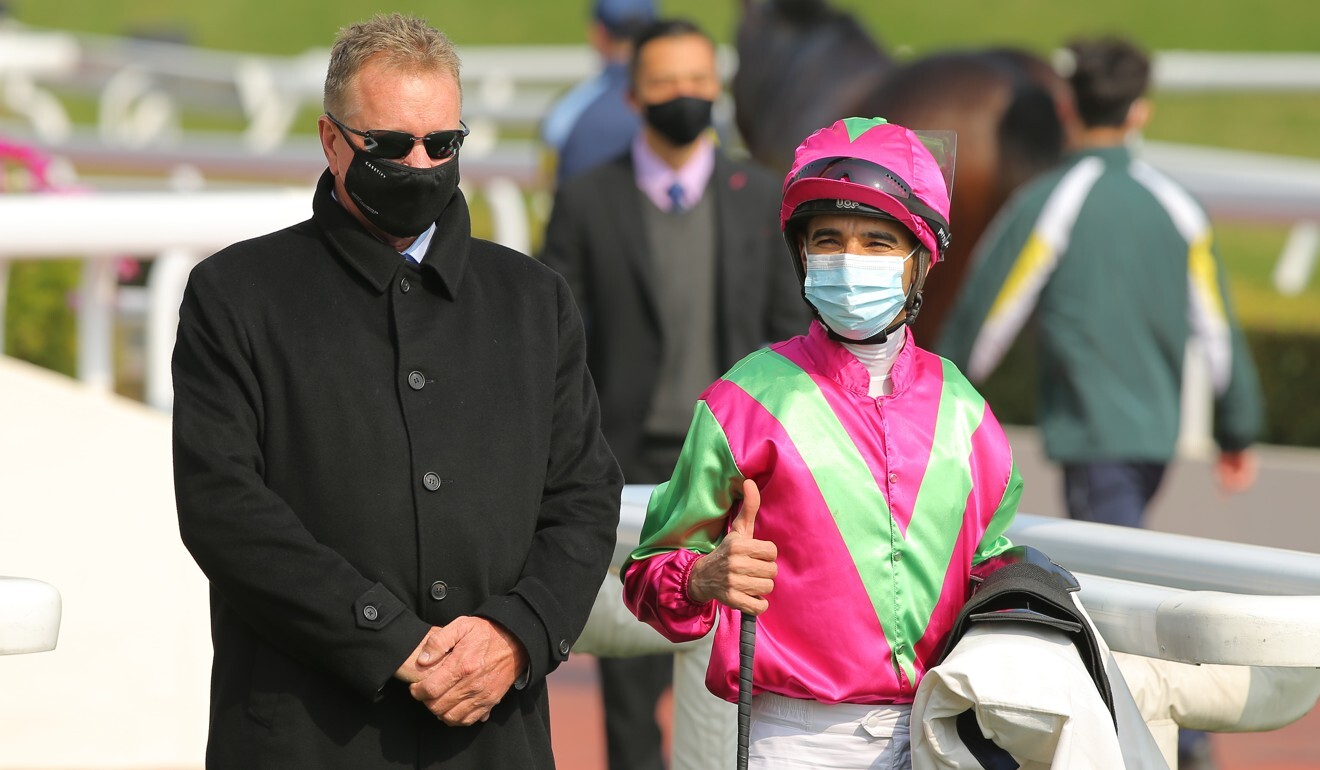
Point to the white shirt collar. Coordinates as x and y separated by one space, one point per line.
879 361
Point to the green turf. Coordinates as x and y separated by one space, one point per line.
290 26
1250 253
1281 123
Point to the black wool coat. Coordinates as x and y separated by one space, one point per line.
364 448
596 238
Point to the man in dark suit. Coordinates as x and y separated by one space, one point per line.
675 258
387 452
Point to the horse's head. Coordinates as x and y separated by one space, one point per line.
802 64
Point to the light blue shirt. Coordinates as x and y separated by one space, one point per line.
418 248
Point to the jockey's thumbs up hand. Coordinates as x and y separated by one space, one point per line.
746 518
741 571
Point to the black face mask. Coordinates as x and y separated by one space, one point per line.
681 119
401 200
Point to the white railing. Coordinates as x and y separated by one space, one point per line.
29 616
142 85
1152 588
1167 599
1235 71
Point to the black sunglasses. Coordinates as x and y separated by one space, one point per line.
392 145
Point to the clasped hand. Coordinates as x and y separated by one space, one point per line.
460 671
740 573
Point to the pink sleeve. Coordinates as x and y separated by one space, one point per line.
655 590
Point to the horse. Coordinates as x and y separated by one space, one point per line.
804 64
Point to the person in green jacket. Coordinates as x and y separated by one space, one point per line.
1117 263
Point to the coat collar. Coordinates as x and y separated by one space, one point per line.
446 258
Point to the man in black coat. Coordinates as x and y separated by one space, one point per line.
387 453
674 255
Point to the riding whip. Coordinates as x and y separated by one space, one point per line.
746 650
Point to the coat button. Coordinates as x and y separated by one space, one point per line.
431 481
370 612
416 380
439 590
404 285
893 478
563 647
898 556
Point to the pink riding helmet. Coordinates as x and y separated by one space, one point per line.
872 167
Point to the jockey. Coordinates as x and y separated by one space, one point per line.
839 485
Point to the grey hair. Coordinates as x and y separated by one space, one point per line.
405 42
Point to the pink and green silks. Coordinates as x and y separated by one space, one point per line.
879 507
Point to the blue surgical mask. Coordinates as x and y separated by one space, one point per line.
857 296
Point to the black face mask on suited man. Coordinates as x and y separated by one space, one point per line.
681 119
401 200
